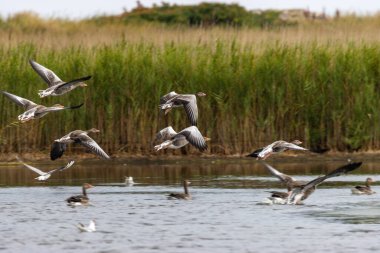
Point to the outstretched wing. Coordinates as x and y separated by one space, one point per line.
168 97
194 137
190 104
46 74
339 171
165 134
40 172
62 168
27 104
291 146
283 177
88 142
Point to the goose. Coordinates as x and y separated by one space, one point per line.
77 136
188 101
302 192
129 181
360 190
276 147
33 110
57 87
186 195
44 175
80 199
290 182
90 228
188 135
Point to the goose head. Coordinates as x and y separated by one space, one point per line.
87 186
81 84
206 138
93 130
200 94
369 180
297 142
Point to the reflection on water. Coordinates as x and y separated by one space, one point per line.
222 217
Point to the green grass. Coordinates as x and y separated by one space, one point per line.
326 95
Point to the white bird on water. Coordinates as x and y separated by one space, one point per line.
90 228
129 181
44 175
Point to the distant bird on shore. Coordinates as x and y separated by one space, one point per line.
57 87
77 136
188 101
364 190
276 147
33 110
80 199
129 181
90 228
174 140
45 175
302 192
186 195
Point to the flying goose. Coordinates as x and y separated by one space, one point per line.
77 136
57 87
44 175
188 135
90 228
186 195
290 182
360 190
276 147
188 101
33 110
80 199
300 193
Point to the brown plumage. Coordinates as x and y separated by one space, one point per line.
186 195
80 199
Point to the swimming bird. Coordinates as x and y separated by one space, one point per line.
129 181
33 110
188 135
300 193
276 147
45 175
360 190
188 101
57 87
80 199
77 136
186 195
90 228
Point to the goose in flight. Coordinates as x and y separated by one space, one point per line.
57 87
77 136
44 175
188 101
360 190
33 110
80 199
276 147
302 192
174 140
90 228
186 195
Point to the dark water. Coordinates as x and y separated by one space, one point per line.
225 214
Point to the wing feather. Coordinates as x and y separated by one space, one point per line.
38 171
27 104
194 137
46 74
88 142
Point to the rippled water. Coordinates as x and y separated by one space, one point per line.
225 214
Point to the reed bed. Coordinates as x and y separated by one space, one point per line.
261 86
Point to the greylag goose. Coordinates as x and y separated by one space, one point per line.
80 199
44 175
57 87
302 192
360 190
188 135
77 136
290 182
188 101
90 228
186 195
276 147
33 110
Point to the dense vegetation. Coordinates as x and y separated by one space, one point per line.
313 82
